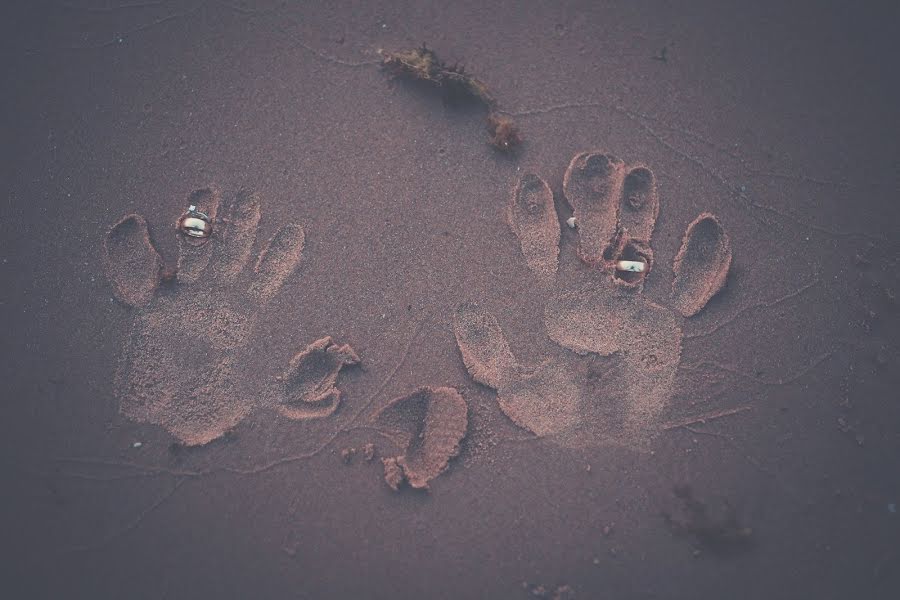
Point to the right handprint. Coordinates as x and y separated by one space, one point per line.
600 309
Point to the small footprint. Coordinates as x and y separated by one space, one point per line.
184 365
599 309
308 390
428 425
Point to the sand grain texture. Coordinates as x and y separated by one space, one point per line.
193 253
639 206
592 184
277 261
532 217
701 265
132 263
777 117
542 399
483 346
185 363
309 390
428 425
598 310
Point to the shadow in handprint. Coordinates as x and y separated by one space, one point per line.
597 309
185 363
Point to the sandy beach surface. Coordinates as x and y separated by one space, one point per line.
394 370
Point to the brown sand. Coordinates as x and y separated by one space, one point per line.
778 117
184 366
237 226
308 386
592 185
603 318
428 425
131 261
276 261
701 265
193 253
639 205
542 399
532 217
615 212
483 346
598 310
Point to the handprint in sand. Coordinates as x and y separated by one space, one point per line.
190 362
596 309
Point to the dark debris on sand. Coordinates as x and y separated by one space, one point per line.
456 87
720 533
563 592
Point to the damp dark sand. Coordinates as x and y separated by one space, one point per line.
389 302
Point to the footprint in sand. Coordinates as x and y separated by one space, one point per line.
598 309
427 426
185 364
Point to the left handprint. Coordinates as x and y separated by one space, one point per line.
183 364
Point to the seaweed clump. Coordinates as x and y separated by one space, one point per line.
505 135
456 86
721 533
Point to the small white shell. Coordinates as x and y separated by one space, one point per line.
571 222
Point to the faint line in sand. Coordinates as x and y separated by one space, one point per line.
130 526
762 304
706 418
151 470
764 381
641 120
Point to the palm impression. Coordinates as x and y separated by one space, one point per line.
185 363
600 309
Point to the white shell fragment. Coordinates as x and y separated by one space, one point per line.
635 266
571 222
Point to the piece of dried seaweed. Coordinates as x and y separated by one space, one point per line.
456 86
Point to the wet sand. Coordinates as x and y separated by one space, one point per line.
236 427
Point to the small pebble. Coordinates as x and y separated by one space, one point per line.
369 452
347 455
571 222
137 445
